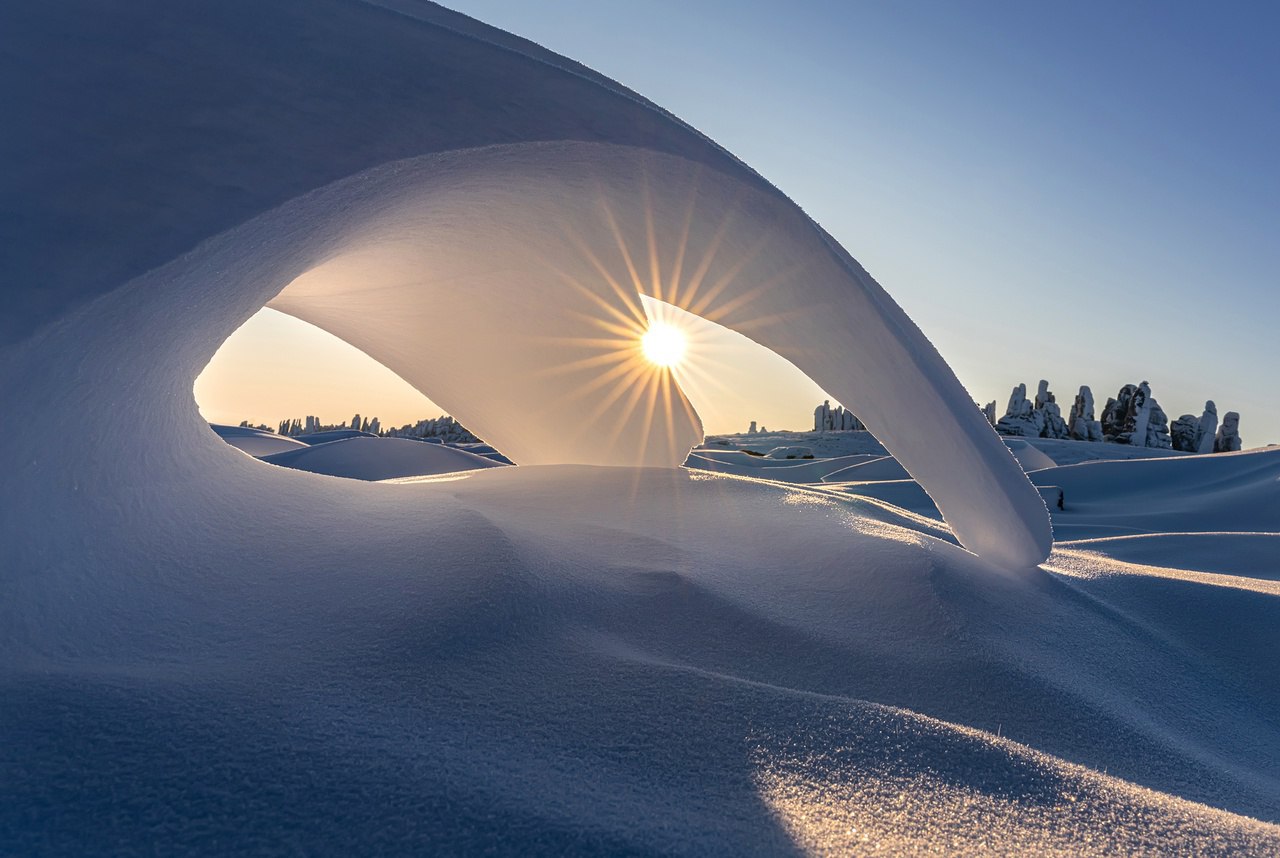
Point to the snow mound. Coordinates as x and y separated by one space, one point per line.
1029 457
314 438
790 453
255 442
1185 494
875 470
372 458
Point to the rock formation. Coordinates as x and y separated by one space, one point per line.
1135 418
1228 437
1018 417
989 411
1185 433
1138 416
1206 435
828 419
1041 418
1158 427
1114 413
1081 423
1052 424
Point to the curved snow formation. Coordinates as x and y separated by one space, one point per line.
201 652
473 211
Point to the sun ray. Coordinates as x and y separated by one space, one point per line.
683 245
709 253
621 243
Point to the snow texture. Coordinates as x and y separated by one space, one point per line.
201 653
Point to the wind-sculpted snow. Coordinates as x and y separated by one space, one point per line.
203 653
608 660
380 459
477 216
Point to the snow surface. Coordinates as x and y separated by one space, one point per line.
255 442
362 458
567 658
201 653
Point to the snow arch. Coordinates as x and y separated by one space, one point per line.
493 242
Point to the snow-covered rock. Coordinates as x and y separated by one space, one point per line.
1115 414
1038 418
1184 433
1053 426
1228 437
1081 421
1158 428
838 419
1135 418
1019 417
1206 434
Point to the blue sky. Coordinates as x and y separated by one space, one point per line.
1083 192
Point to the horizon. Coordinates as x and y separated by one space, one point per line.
721 364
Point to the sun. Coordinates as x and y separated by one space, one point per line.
663 344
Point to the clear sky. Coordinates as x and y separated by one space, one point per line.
1083 192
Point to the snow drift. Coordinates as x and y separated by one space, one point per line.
380 459
255 442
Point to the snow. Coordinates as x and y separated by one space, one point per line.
476 215
255 442
789 453
371 458
202 653
527 658
1030 457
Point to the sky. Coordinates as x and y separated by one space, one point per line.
1087 193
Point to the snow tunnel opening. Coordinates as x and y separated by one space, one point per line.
279 386
498 280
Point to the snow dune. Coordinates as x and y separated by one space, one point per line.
1189 494
255 442
372 458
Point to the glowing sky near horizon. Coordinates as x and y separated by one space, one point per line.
1079 192
729 379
